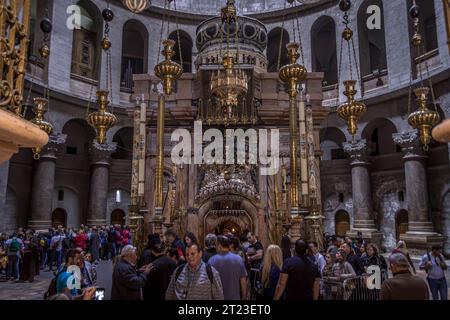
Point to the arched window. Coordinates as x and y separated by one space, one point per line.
79 137
378 134
427 24
124 140
323 48
186 49
331 140
86 40
372 44
342 223
134 52
273 49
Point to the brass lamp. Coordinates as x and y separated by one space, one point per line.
351 111
102 120
229 85
39 109
168 71
292 73
423 119
136 6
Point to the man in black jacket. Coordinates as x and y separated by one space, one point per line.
353 259
127 282
162 268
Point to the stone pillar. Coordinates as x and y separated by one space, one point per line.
98 196
420 236
363 217
43 185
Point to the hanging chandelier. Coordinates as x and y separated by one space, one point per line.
168 71
136 6
39 109
102 120
423 119
351 110
229 83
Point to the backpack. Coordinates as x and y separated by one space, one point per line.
208 271
14 246
52 286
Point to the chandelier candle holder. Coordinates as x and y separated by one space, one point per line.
423 119
352 110
102 120
40 109
291 74
136 6
228 85
168 71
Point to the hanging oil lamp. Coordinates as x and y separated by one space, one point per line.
40 109
168 71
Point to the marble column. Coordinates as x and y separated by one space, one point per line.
363 216
420 235
98 197
43 184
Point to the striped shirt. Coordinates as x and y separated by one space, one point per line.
195 285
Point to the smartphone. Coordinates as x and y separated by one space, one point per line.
100 294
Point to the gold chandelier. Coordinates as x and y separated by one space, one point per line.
229 83
423 119
136 6
39 109
351 110
102 120
168 71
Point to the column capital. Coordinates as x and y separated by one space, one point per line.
101 153
357 150
55 141
410 144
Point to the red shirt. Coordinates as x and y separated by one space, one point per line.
81 240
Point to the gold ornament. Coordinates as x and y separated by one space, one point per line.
136 6
167 70
106 44
228 85
351 111
44 51
39 109
423 119
102 120
292 73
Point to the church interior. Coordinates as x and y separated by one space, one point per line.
92 92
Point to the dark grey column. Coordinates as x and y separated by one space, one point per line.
420 233
101 160
43 184
363 217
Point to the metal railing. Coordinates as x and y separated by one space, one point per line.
350 288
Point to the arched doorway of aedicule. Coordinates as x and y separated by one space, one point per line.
342 223
59 218
401 223
118 217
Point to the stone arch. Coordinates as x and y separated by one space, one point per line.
124 139
59 217
134 52
427 25
324 49
86 50
186 44
112 204
273 48
401 223
118 216
378 133
342 223
372 43
70 204
331 140
79 137
246 204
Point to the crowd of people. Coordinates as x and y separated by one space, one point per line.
26 253
226 267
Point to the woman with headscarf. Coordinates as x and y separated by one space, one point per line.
341 267
401 248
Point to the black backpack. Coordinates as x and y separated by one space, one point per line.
52 286
208 271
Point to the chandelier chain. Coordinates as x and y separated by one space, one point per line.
178 33
281 36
